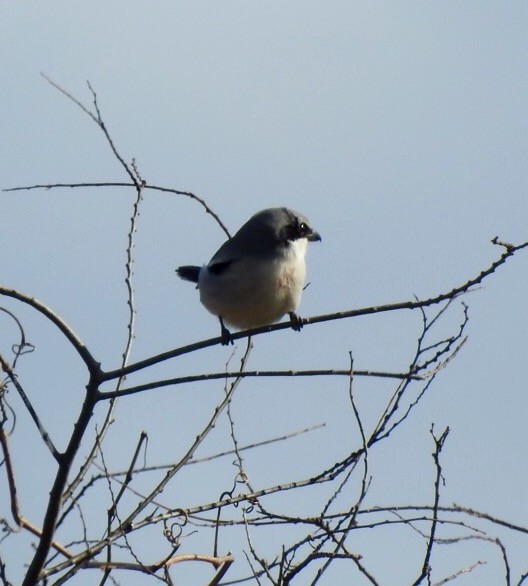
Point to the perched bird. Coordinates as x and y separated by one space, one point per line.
258 275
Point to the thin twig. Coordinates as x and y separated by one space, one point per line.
90 362
257 373
25 399
138 185
159 188
15 510
439 444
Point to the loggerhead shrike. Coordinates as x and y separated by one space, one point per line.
258 275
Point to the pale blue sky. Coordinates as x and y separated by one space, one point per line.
399 128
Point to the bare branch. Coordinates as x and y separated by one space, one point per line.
459 573
146 186
255 374
90 362
129 339
439 444
54 502
23 347
217 562
97 119
15 511
411 305
25 399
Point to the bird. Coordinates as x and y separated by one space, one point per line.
257 276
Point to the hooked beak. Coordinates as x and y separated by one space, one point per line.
314 237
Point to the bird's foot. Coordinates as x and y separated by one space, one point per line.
296 321
225 334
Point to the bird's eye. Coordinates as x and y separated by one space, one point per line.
304 229
296 230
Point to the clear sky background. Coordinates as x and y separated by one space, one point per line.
399 128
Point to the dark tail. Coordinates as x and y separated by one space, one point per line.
189 273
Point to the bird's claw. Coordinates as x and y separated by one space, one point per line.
225 334
296 322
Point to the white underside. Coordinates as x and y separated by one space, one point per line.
252 293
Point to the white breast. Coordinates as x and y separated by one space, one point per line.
256 292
